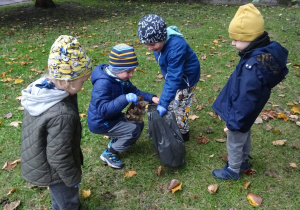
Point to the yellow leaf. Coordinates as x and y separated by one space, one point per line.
279 142
246 185
86 193
295 110
176 188
11 191
282 116
254 200
2 74
82 115
208 76
91 50
18 81
129 174
19 41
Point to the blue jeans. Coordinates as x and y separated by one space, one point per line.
63 197
238 148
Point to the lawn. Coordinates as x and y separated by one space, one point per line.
26 38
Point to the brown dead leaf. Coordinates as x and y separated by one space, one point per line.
267 114
159 171
293 165
174 183
193 117
246 185
208 130
10 165
271 173
159 76
86 193
82 115
212 189
249 172
129 174
216 88
202 140
12 205
295 147
8 115
11 191
268 127
254 199
279 142
295 110
199 107
282 116
224 158
15 124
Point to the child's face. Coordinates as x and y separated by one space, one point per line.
156 46
240 45
77 84
125 75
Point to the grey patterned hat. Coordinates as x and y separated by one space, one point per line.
152 28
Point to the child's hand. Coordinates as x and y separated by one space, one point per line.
155 99
161 110
226 129
131 97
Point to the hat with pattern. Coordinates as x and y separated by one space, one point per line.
122 58
67 60
152 28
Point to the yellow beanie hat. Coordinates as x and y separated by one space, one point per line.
247 24
67 60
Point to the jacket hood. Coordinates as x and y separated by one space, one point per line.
36 100
98 73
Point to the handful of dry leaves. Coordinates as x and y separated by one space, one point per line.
136 112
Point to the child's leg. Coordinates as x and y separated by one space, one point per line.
236 143
63 197
247 147
181 107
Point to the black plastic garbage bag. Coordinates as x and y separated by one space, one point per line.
166 138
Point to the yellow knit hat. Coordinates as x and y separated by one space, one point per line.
67 60
247 24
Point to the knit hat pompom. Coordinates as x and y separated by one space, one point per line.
67 60
122 58
247 24
152 28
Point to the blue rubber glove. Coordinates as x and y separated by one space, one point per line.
77 184
131 97
161 110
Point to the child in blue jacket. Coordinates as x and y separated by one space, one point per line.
178 64
262 66
112 92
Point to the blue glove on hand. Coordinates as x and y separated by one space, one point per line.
131 97
161 110
77 184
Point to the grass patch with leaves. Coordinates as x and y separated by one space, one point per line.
26 37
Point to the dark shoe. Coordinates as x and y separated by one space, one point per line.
186 136
245 165
111 159
225 174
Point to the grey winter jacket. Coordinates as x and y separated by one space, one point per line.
50 150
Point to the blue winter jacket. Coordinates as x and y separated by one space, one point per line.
179 66
108 99
249 86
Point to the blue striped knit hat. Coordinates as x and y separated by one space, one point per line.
122 58
152 28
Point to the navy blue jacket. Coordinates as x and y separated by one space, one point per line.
179 66
249 86
108 99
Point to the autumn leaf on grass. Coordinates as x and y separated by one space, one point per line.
193 117
282 116
202 140
249 172
295 147
9 166
199 107
19 98
294 165
246 185
267 114
129 174
212 189
279 142
271 173
18 81
159 171
8 115
82 115
159 76
148 53
296 66
295 110
174 185
11 191
254 199
15 124
86 193
12 205
221 140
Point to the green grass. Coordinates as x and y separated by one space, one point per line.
27 35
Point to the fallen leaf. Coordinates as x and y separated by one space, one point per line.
221 140
18 81
21 108
19 98
82 115
282 116
246 185
9 166
271 173
193 117
199 107
298 123
212 189
129 174
174 183
254 199
258 120
275 131
16 123
224 157
279 142
294 165
159 171
202 140
8 115
148 53
151 59
159 76
295 147
249 172
176 188
195 197
86 193
12 205
211 156
208 130
11 191
267 114
295 110
106 137
268 127
294 117
216 88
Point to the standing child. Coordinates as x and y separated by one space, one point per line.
178 64
112 92
51 135
262 66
